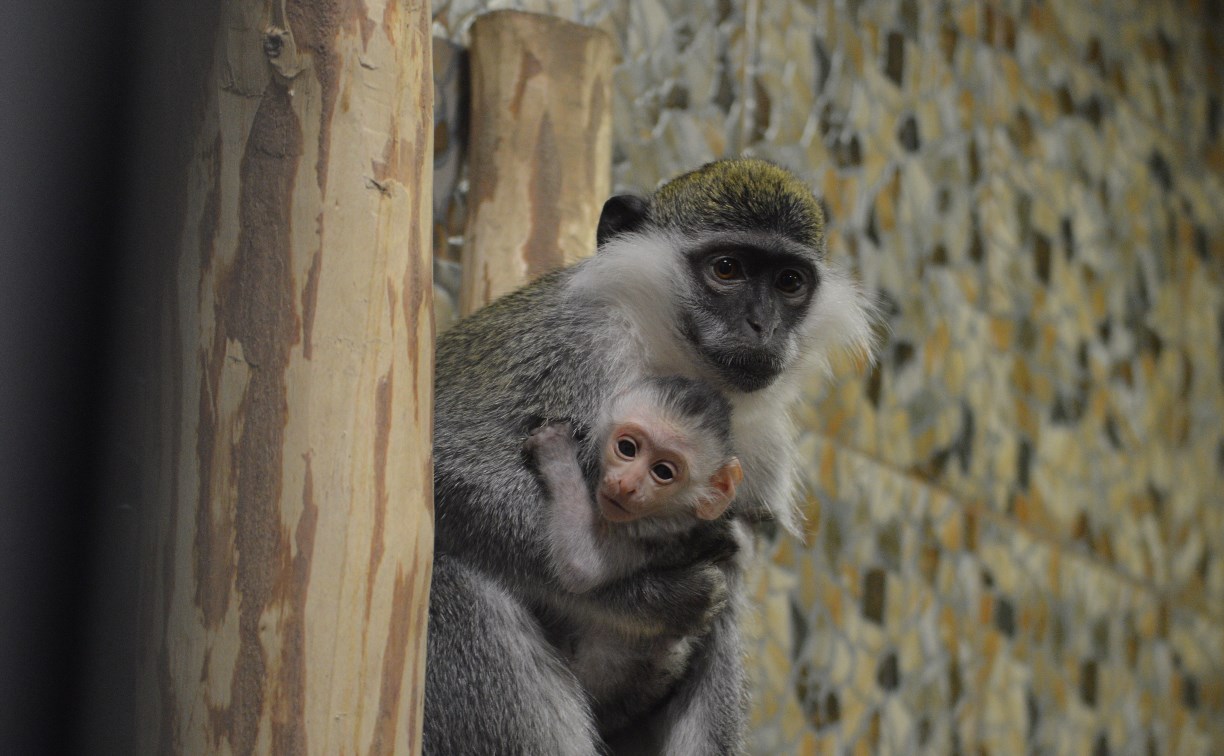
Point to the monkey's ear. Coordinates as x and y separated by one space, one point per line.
621 214
723 484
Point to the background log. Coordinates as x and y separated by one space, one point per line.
287 517
452 87
540 152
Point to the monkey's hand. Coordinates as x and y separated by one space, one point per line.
551 445
675 602
710 542
713 542
683 585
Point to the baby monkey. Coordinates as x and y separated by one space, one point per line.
667 475
667 465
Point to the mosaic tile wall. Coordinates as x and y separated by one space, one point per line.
1016 521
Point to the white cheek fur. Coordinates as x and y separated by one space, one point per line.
634 276
840 318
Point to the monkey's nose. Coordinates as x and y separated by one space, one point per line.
757 330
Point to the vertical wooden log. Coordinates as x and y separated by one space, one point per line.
452 84
288 533
540 153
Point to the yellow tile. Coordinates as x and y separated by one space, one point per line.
1002 333
967 20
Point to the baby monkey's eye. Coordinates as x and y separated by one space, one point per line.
626 448
663 472
727 268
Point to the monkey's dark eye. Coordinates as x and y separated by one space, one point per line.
790 281
727 269
626 448
663 472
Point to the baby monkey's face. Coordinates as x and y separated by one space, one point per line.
647 469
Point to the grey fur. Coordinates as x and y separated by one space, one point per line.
496 682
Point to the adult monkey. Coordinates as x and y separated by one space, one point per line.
719 275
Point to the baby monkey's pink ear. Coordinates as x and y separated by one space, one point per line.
722 485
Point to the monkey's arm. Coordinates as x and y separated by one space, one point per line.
580 561
680 586
674 602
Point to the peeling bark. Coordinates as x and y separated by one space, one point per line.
289 523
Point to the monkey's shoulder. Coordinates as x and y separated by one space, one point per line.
521 321
535 341
508 310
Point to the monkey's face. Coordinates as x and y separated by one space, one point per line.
645 470
747 299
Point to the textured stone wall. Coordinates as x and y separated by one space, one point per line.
1015 534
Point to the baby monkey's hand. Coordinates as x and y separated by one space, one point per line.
551 443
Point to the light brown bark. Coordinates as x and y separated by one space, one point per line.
540 152
288 537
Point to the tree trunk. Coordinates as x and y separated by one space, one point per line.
541 149
287 531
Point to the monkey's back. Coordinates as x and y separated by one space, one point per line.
524 358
